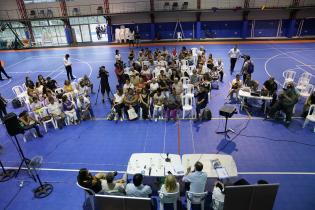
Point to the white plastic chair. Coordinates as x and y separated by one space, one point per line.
310 116
187 103
185 81
189 90
19 93
24 87
179 36
196 198
168 198
307 91
44 113
289 76
88 193
302 83
59 91
184 62
306 76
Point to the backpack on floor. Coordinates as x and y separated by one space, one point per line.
206 115
215 85
16 103
111 115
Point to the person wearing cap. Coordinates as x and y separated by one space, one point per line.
114 187
137 189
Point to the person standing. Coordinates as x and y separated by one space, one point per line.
103 75
3 71
68 66
234 54
3 105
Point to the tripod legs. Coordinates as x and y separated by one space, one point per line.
226 130
6 174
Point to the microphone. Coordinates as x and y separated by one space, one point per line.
150 171
167 159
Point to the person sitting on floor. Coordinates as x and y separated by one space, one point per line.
28 122
310 101
85 108
196 178
69 109
55 111
137 189
286 102
87 180
236 86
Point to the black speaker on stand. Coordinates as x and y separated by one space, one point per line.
227 111
14 128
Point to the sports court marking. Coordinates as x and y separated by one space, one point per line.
192 137
241 173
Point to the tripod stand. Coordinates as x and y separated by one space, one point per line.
98 91
227 111
25 160
6 174
226 130
181 29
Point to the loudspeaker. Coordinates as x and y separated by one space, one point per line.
227 111
12 124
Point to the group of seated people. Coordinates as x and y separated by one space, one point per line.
156 82
283 101
193 182
66 105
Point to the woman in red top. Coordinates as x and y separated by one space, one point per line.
119 71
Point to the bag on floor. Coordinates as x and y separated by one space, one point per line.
85 115
215 85
132 114
111 115
206 115
16 103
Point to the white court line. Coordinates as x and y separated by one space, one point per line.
242 173
17 63
192 137
9 81
164 140
146 137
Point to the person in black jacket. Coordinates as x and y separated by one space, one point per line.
103 75
270 88
3 110
201 101
87 180
3 71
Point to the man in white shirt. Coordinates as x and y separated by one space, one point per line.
68 66
234 54
153 87
196 178
137 189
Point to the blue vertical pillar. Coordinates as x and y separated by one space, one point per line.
198 30
244 29
68 35
291 28
152 31
109 33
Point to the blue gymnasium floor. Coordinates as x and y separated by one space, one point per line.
262 150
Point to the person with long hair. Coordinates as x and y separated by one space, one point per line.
170 185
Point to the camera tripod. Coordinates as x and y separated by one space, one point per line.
107 92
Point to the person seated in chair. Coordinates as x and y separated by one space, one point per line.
137 189
69 109
87 83
51 84
252 84
114 187
55 111
144 102
27 122
170 185
118 103
131 101
201 101
171 104
197 179
84 108
236 86
158 102
286 101
36 105
218 196
310 101
87 180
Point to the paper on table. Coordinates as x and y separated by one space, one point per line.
222 173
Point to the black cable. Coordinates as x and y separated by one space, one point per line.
13 198
278 140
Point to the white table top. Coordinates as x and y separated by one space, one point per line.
141 163
227 162
247 94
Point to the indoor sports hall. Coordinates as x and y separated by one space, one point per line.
256 149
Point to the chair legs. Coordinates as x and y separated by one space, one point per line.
188 204
305 123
